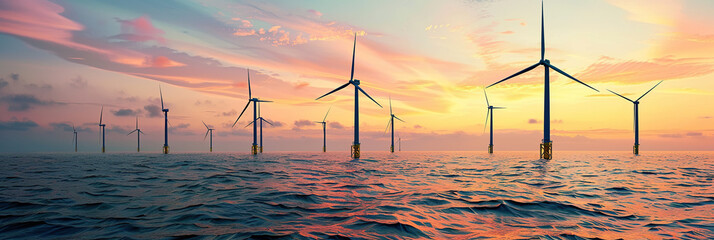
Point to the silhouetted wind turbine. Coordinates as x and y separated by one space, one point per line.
138 135
400 143
74 137
636 147
101 128
166 123
261 120
546 146
391 122
208 130
255 101
354 150
324 131
489 111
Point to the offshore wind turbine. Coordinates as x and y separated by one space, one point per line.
101 128
489 112
166 123
261 120
138 135
255 101
391 122
208 130
354 150
546 146
74 137
324 131
400 143
636 147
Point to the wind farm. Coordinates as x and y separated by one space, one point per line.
430 60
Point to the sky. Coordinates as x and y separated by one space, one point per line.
61 61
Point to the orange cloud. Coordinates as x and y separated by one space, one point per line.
608 70
140 30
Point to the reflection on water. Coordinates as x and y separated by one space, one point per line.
307 195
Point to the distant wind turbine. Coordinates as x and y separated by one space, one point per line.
391 123
255 101
400 143
74 137
636 147
354 150
489 111
138 135
166 123
546 147
208 130
101 128
324 131
261 120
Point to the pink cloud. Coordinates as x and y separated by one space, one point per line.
162 61
315 12
140 30
244 32
645 71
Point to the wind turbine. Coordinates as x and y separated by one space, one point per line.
166 123
208 130
489 111
636 147
400 143
74 137
261 119
391 122
101 127
255 101
138 135
546 147
354 150
324 131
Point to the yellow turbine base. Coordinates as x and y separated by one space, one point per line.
254 149
354 151
102 149
324 149
636 149
391 148
490 148
166 149
210 149
546 150
261 149
138 150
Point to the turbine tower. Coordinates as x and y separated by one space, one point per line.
255 101
261 120
138 135
324 131
391 123
166 123
546 146
208 130
74 137
636 147
101 128
489 112
354 150
400 143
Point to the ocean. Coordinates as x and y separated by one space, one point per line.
304 195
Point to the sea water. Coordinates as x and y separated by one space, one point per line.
294 195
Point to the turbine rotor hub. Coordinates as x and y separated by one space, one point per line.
355 82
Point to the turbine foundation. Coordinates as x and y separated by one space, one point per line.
391 148
324 149
354 151
490 148
166 149
261 149
546 150
210 149
102 149
254 149
636 149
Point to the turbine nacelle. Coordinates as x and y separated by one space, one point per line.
544 62
355 82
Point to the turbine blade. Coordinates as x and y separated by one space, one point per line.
241 114
486 123
498 108
336 89
162 98
204 137
399 119
266 121
204 124
328 112
100 115
263 101
73 129
251 122
388 123
352 73
142 132
131 132
390 106
621 96
571 77
542 32
649 90
516 74
249 91
137 122
484 93
365 93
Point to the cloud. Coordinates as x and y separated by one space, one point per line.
15 76
161 62
34 86
299 124
705 117
315 12
153 110
17 125
3 83
533 121
67 127
140 30
24 102
276 124
694 134
335 125
78 82
417 126
610 70
126 112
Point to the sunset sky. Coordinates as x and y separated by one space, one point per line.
60 61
